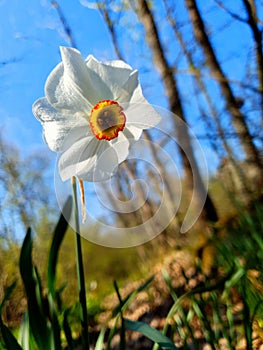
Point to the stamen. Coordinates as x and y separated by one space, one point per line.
107 119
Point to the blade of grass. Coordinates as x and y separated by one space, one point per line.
100 340
37 319
58 236
113 331
67 330
198 306
9 339
55 323
151 333
25 336
8 292
185 319
122 331
128 299
246 316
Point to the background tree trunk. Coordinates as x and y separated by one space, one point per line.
232 103
189 163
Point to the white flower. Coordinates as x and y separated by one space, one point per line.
91 112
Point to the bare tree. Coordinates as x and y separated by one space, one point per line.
232 103
23 189
190 166
252 21
215 124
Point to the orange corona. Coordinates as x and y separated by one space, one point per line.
107 119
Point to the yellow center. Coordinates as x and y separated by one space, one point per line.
107 119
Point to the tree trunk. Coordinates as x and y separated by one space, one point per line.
189 163
212 110
253 24
232 104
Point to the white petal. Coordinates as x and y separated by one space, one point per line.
118 64
126 92
69 86
60 131
117 76
121 146
141 114
131 132
90 160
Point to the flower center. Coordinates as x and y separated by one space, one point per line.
107 119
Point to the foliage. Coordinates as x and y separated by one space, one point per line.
42 324
21 177
211 304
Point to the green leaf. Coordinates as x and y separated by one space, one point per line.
67 330
9 339
126 302
55 323
151 333
37 318
113 331
169 284
25 336
59 234
100 340
8 292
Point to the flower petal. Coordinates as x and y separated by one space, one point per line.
118 64
121 146
132 132
69 86
126 92
60 131
90 160
120 79
141 114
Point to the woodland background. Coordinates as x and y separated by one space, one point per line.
201 60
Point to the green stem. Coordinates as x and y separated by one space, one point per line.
80 272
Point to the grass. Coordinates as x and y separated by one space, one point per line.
224 307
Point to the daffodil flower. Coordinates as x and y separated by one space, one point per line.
91 113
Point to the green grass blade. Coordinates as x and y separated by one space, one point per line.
8 292
59 234
9 339
126 301
55 323
37 319
67 330
122 330
100 340
112 333
25 336
151 333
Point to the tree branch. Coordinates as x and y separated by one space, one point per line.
257 35
232 103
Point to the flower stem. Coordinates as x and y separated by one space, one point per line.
80 271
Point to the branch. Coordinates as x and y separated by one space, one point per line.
232 14
253 24
104 10
64 23
232 103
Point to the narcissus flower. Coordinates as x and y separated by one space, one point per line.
91 113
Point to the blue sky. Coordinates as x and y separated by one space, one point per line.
31 33
30 36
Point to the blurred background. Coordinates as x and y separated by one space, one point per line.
201 61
